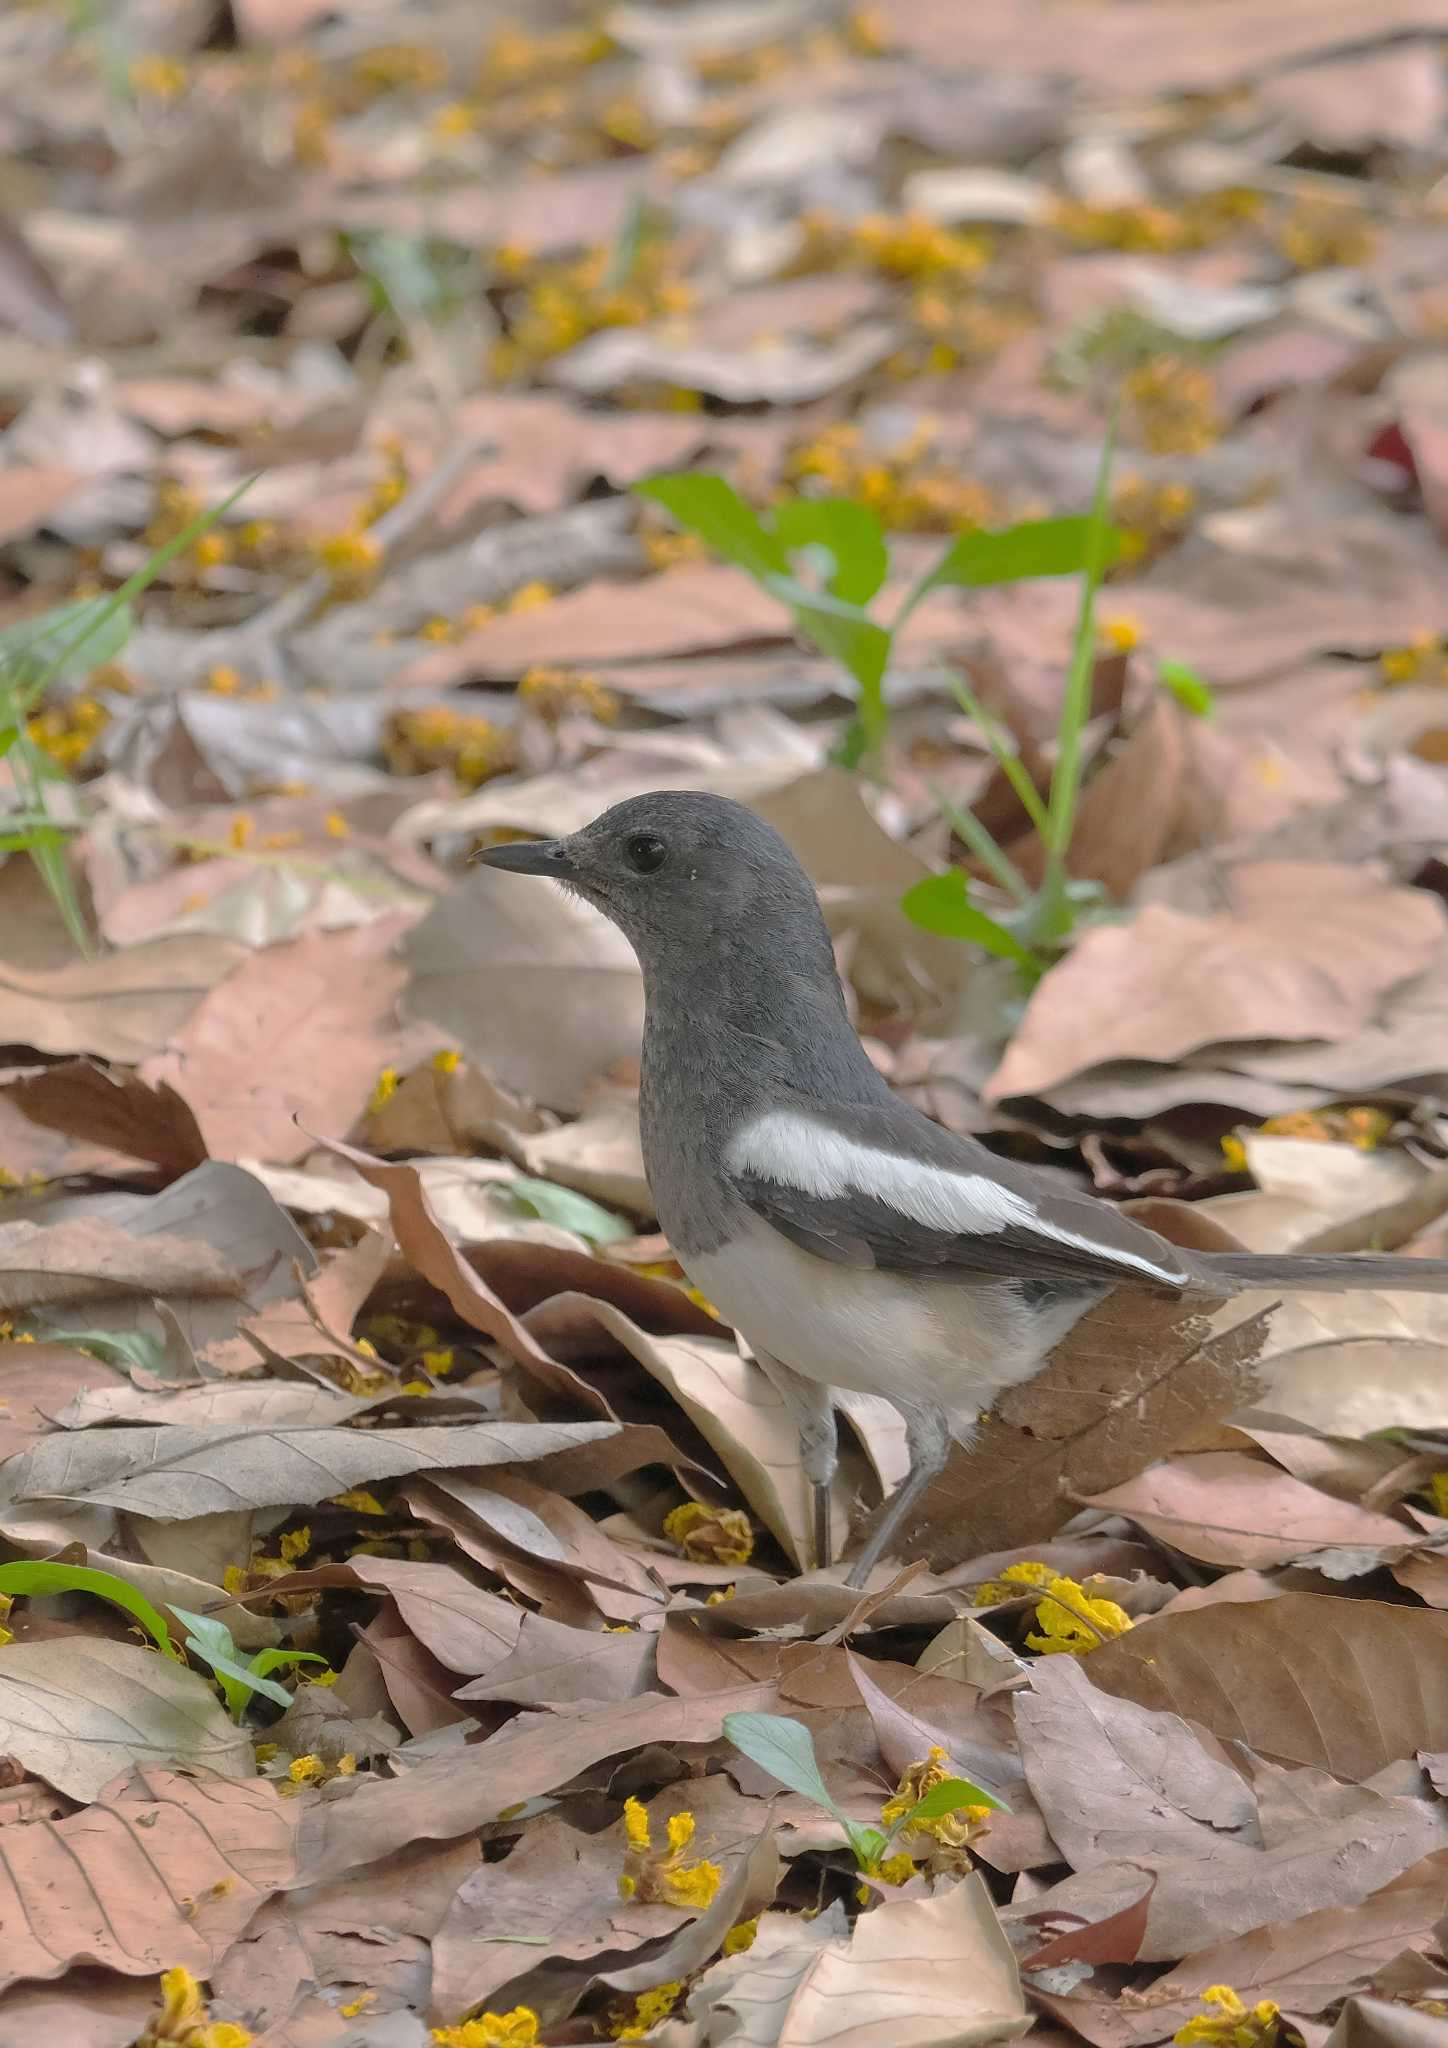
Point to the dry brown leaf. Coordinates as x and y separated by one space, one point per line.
917 1973
534 985
166 1870
451 1795
36 1381
1305 952
551 1664
29 496
776 371
1229 1509
744 1999
172 1474
122 1006
1134 1378
71 1262
1303 1965
1288 1677
1128 1791
86 1100
299 1032
555 1895
79 1710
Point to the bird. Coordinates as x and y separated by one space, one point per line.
850 1240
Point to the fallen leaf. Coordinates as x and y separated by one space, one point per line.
535 986
917 1973
1305 952
178 1472
1302 1965
1134 1378
166 1870
451 1795
1230 1509
123 1006
551 1664
1251 1673
296 1035
745 1999
84 1099
555 1895
777 371
80 1710
64 1263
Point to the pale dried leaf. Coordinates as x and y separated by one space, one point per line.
1230 1509
917 1973
79 1710
175 1473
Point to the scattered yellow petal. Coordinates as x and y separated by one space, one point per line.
305 1770
446 1062
649 2007
515 2029
661 1877
740 1938
359 1500
1072 1622
1233 2025
710 1535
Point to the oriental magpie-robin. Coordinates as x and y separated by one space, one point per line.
851 1242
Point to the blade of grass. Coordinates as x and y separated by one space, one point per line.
970 832
1054 920
132 587
1005 750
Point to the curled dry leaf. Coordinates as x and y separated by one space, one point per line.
80 1709
104 1105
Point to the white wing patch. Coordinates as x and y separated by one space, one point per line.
786 1147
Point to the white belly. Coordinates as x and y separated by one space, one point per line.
937 1341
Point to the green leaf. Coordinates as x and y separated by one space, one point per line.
850 533
276 1659
849 636
867 1844
210 1640
568 1209
949 1797
713 509
31 1580
75 637
785 1749
1036 547
941 904
1188 688
130 1348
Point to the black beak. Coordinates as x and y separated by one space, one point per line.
529 857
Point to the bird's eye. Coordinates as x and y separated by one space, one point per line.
645 852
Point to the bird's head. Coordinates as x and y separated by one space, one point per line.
680 873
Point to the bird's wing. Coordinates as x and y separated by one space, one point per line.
878 1184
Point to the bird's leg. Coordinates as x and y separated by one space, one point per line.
927 1432
813 1413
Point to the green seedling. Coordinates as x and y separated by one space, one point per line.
785 1748
211 1642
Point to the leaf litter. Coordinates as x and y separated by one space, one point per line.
337 1342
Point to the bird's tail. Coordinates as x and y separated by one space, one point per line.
1304 1272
